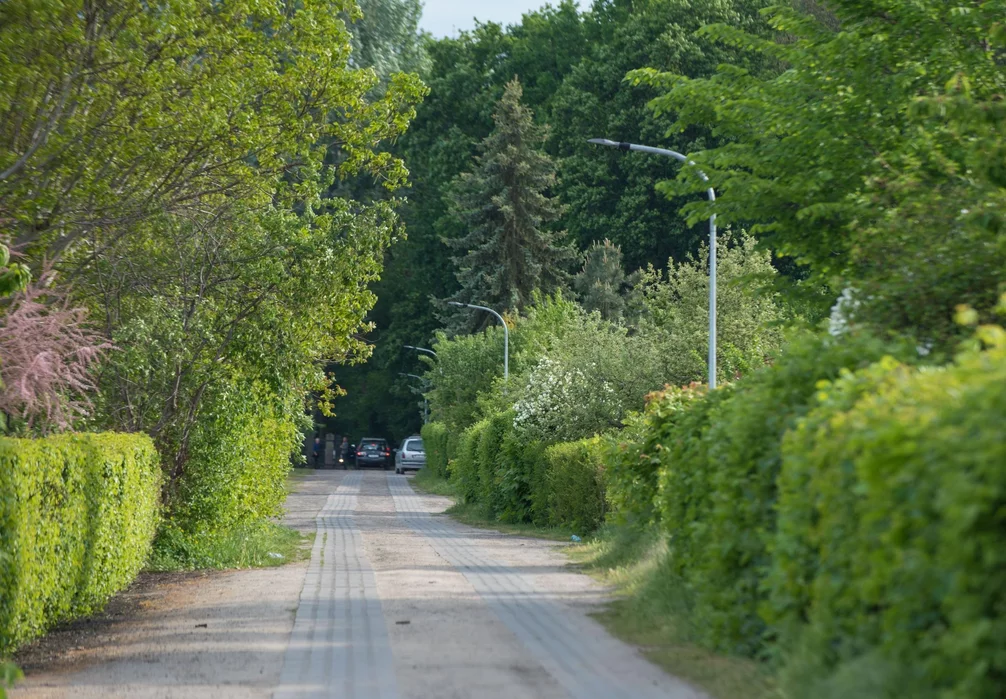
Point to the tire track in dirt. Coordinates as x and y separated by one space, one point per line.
581 656
339 646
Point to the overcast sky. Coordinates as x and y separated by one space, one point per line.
448 17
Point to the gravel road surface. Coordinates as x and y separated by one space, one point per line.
397 602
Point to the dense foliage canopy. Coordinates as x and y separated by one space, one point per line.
184 168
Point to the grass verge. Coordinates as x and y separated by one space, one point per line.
256 545
9 674
650 612
474 516
429 482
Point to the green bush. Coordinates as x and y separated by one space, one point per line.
77 516
634 455
535 468
238 463
890 541
435 439
517 470
575 485
453 447
684 489
743 445
491 461
465 467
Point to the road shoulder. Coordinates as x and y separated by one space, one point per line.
218 634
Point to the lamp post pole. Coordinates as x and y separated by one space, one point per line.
621 145
506 333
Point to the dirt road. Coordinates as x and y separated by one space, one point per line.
396 602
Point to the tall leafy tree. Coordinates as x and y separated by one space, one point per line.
387 37
505 205
875 158
611 194
179 162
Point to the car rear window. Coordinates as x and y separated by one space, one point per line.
414 445
371 445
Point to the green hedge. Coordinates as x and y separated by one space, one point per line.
435 437
464 468
635 455
77 517
744 451
561 485
889 574
574 482
238 463
491 462
705 466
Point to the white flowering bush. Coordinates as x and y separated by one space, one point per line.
840 319
562 402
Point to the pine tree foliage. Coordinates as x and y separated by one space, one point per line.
509 250
602 283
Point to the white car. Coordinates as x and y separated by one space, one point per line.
411 456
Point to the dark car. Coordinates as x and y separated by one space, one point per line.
373 452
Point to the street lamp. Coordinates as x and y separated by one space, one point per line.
506 333
621 145
426 401
421 349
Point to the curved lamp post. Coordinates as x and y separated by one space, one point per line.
421 349
621 145
506 333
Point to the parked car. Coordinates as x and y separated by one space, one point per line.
371 451
412 455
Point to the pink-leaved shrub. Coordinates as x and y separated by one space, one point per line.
47 353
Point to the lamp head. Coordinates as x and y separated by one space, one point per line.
608 142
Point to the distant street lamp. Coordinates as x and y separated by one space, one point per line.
421 349
621 145
506 333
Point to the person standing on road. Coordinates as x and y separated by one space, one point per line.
319 452
344 452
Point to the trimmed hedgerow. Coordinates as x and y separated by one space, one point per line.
718 489
464 469
435 438
634 456
889 575
575 485
514 482
490 461
77 517
559 485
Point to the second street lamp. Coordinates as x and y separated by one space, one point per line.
421 349
621 145
506 333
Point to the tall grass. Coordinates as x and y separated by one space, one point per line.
257 545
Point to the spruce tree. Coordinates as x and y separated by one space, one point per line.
508 250
602 284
